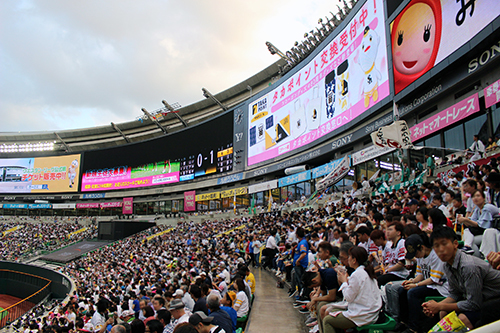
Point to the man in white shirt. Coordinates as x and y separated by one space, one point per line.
179 314
477 148
271 249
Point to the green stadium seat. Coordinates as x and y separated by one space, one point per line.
242 319
239 330
388 325
434 298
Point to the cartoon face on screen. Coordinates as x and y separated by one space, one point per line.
415 35
367 57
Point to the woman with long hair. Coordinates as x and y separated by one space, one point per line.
361 292
481 219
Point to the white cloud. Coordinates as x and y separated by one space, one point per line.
99 61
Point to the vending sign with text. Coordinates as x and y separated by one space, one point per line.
428 31
40 174
347 77
123 177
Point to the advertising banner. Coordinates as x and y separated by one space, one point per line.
94 195
87 205
427 31
348 76
269 185
111 204
447 117
492 94
39 174
123 177
15 206
39 206
64 206
369 153
128 206
208 196
190 201
335 176
233 192
294 179
324 169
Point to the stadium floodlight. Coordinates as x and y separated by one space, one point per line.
274 50
173 109
120 132
208 95
153 119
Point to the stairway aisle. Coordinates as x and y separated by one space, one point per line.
272 310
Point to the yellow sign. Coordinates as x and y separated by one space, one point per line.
76 232
208 196
230 193
11 230
225 152
158 234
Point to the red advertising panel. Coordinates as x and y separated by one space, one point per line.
427 31
128 206
190 201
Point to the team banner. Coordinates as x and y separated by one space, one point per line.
369 154
128 206
190 201
87 205
324 169
335 176
39 174
427 31
396 135
348 77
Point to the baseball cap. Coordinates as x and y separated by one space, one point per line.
127 313
412 202
179 292
176 304
412 244
199 317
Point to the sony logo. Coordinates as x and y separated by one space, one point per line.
484 57
342 141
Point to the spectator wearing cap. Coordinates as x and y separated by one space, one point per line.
203 323
413 206
178 313
227 305
221 317
429 280
127 316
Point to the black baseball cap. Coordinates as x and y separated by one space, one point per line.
412 244
199 317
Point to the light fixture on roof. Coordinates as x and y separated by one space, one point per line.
208 95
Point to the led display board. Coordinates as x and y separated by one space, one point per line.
40 174
345 79
181 156
427 31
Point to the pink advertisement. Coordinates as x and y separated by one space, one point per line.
128 206
492 94
447 117
349 76
124 177
190 201
111 204
87 205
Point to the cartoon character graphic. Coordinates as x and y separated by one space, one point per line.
367 57
72 169
330 94
415 37
343 86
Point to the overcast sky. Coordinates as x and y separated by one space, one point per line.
77 64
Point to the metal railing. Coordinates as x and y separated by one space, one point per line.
16 310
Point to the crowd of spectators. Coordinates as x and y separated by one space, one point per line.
31 238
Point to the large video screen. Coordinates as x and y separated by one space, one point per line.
348 77
428 31
194 152
40 174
